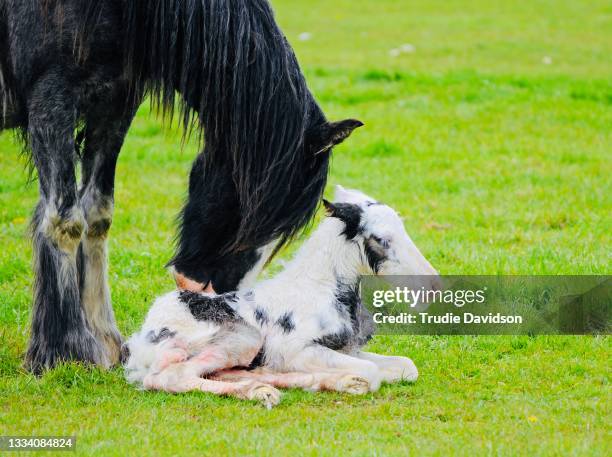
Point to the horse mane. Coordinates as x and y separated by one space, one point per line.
240 87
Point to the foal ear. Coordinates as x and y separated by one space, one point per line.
329 207
332 133
348 213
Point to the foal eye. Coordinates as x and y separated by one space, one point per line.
384 242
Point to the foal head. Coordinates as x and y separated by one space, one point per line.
378 232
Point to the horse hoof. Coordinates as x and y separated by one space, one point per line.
112 343
75 346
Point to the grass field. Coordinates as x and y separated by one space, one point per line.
492 136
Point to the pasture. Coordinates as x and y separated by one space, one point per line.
488 128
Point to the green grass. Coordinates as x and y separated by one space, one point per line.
499 163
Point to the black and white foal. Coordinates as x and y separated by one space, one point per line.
303 328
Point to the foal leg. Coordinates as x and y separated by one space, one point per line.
104 137
186 376
392 368
180 366
339 382
322 359
59 329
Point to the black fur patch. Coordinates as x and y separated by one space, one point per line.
347 298
350 214
163 334
261 316
206 308
336 341
349 304
259 359
286 322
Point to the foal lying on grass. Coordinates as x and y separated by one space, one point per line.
303 328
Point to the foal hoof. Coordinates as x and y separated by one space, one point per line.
352 384
403 370
267 395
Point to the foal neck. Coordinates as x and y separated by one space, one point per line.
326 258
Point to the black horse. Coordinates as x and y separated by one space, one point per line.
72 74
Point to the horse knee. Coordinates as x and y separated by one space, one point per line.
99 215
99 229
64 231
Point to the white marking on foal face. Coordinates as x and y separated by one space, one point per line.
386 245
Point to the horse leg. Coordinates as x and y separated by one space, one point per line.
104 137
59 329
